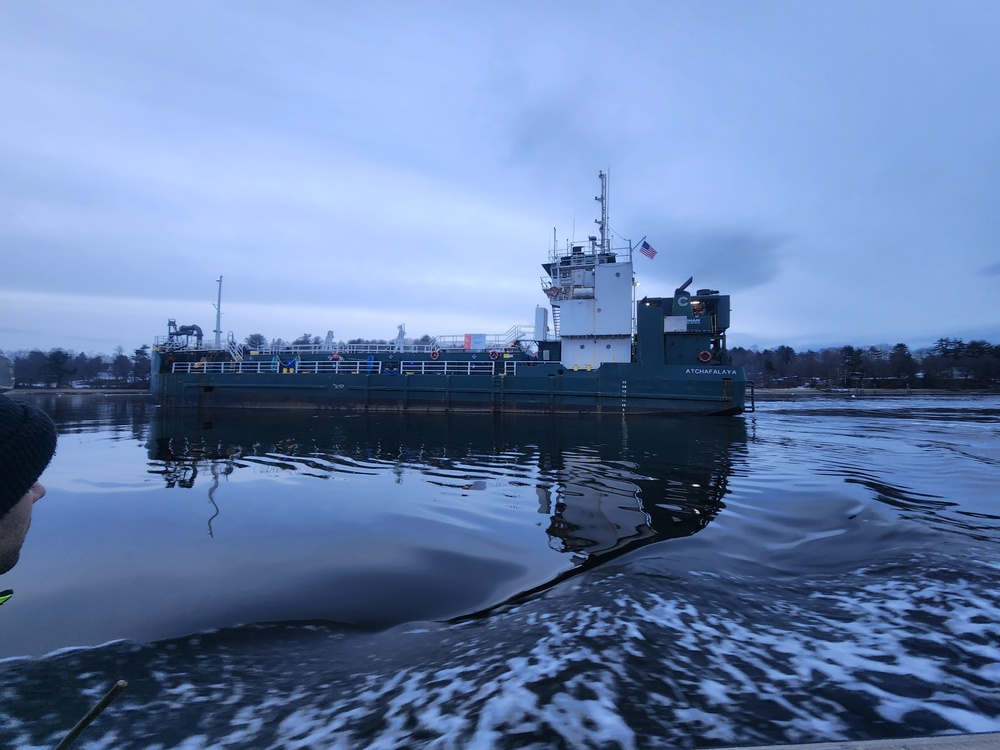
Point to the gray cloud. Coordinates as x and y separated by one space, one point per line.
357 168
729 259
739 259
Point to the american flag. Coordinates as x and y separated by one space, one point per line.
646 249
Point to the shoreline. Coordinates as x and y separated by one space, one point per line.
768 394
88 391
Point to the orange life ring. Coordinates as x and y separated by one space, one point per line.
704 356
435 354
494 354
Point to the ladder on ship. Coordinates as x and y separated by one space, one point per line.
235 350
497 401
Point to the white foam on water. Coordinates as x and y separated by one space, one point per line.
631 657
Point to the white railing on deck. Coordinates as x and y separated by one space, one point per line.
493 342
342 366
174 343
447 368
260 366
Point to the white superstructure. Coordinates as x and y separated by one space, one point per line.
590 288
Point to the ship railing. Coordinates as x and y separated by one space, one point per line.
489 342
351 366
579 254
363 348
257 367
447 368
456 342
175 343
519 333
357 367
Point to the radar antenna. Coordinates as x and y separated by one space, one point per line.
603 221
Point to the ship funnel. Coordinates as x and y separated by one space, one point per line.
682 299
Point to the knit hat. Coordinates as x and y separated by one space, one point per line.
27 443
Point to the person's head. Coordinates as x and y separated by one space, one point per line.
27 443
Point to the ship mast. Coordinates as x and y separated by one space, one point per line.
603 221
218 317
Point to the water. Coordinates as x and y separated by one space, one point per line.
822 569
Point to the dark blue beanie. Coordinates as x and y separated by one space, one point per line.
27 443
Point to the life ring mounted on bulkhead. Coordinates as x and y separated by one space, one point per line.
704 356
435 354
494 354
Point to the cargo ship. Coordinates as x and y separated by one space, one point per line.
593 348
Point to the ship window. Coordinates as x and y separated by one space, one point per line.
608 346
582 346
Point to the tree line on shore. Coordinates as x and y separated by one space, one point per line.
59 368
949 363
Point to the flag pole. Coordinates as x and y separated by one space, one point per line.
637 244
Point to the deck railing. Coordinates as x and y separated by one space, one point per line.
491 342
447 368
339 367
259 366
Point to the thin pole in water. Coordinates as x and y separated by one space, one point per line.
91 715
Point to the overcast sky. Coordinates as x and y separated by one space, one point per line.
347 166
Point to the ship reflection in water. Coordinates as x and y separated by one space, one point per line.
408 517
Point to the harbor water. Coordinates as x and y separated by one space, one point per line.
825 568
